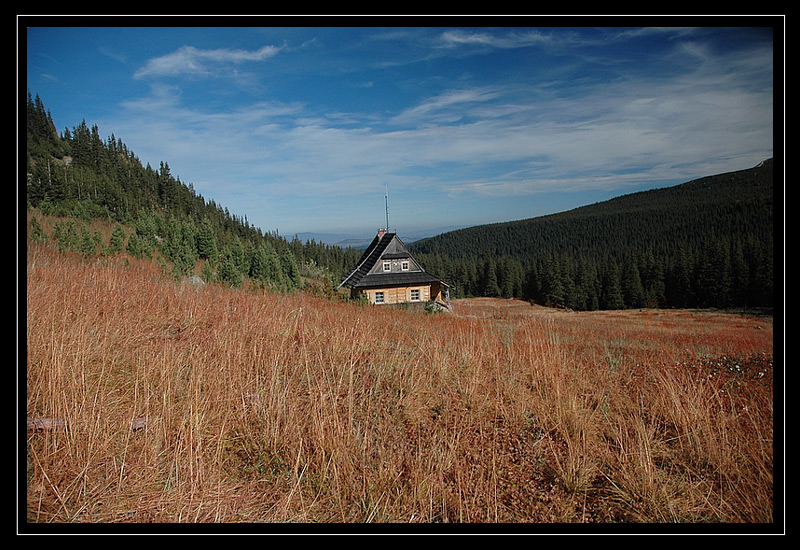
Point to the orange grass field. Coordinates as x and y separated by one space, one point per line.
149 400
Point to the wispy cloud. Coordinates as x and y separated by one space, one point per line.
446 107
509 40
188 60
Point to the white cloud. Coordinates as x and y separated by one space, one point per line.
447 107
188 60
513 39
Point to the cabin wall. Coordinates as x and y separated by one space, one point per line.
399 295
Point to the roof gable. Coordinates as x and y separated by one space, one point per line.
369 270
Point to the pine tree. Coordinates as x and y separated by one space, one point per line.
185 249
760 261
631 283
259 264
117 240
88 241
589 284
490 286
678 280
135 246
228 270
274 269
290 268
552 281
207 241
611 296
65 235
652 276
712 280
37 233
740 275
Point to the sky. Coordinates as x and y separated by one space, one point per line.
307 129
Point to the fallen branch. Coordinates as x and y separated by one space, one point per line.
52 424
46 424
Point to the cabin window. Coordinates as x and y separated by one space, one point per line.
379 297
387 266
404 265
415 295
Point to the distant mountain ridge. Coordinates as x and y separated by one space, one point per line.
658 219
345 240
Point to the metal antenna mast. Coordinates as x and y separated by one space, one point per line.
387 207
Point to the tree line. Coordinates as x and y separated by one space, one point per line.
723 273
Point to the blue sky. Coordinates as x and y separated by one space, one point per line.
303 129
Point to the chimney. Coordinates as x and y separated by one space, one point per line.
381 233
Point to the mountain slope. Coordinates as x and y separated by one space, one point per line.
736 203
705 243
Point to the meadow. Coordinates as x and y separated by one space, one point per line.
155 401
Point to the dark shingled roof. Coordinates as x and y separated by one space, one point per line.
380 249
395 279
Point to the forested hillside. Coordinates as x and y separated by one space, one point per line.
706 243
79 176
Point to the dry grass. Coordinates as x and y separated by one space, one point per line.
257 407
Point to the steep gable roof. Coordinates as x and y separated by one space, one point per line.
385 247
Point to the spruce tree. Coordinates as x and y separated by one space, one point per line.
207 241
290 268
678 280
611 296
552 281
631 283
259 264
117 240
228 269
712 281
135 247
490 286
37 233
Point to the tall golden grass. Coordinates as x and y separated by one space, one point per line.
157 401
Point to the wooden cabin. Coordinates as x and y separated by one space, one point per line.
387 273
